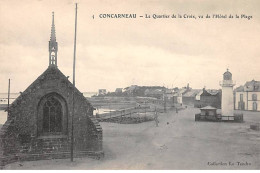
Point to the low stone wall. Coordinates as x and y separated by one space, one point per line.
128 120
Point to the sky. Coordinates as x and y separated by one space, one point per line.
116 53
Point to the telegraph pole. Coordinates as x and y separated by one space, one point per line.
164 98
8 98
73 99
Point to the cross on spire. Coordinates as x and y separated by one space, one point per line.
53 45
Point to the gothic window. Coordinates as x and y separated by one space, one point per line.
52 118
52 115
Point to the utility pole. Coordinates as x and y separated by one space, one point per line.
164 98
73 99
8 98
156 117
145 109
109 111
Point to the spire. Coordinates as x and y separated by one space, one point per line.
53 45
53 33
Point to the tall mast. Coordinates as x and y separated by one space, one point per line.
8 98
74 62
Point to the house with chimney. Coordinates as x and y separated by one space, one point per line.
247 97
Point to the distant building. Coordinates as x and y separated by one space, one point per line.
102 92
188 98
198 95
247 97
118 90
146 92
130 91
169 94
156 93
142 91
208 98
177 97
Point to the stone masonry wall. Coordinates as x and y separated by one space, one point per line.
19 135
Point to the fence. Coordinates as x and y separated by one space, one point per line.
125 112
218 117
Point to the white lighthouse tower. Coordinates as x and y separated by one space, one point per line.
227 102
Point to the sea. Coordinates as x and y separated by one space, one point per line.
4 97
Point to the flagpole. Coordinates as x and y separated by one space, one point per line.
73 104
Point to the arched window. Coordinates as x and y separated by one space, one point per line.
52 115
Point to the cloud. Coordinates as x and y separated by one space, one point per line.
115 53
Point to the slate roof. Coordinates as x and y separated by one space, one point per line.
239 89
252 86
213 91
200 93
192 93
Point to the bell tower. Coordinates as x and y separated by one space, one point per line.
53 45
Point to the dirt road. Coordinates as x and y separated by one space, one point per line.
178 143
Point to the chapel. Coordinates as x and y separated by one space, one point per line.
39 122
